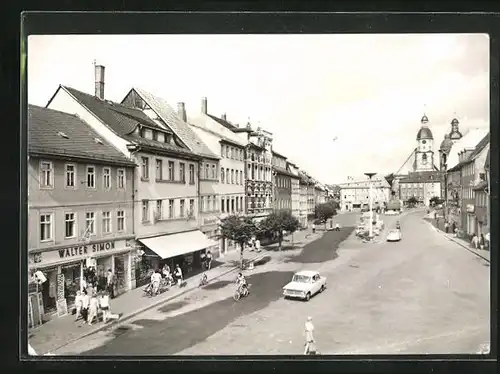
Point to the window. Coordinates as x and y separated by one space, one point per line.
241 176
159 169
214 176
182 172
171 208
241 155
70 225
232 176
155 135
228 176
209 203
191 173
106 176
158 213
106 222
237 205
46 174
222 175
145 168
89 223
227 205
222 150
222 206
171 171
90 176
241 203
227 152
120 220
70 175
191 206
183 207
145 210
45 227
207 170
232 205
237 179
120 176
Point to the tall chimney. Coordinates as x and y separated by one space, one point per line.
204 105
223 116
99 81
181 111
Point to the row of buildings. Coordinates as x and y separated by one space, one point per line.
134 185
461 179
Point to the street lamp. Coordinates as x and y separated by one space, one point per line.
370 175
445 171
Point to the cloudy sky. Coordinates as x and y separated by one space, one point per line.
338 105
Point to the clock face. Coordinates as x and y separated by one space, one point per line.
424 141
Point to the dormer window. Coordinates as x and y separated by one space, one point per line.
98 141
62 135
168 138
155 135
142 132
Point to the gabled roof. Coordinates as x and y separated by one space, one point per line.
222 137
283 171
480 146
52 132
487 162
279 154
229 125
469 140
422 177
178 126
123 120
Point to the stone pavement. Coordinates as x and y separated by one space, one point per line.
64 330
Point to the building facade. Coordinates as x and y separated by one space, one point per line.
422 186
80 210
355 193
295 189
444 150
482 201
166 187
282 183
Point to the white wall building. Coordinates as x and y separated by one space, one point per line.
355 192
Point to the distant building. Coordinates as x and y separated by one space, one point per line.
295 189
423 186
355 192
282 182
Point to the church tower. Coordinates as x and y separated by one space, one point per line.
424 155
455 133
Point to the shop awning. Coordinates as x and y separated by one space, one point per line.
167 246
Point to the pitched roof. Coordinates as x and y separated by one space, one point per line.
178 126
422 176
487 162
480 146
470 139
53 132
123 120
222 137
229 125
282 171
279 154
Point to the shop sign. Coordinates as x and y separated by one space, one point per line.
470 208
83 250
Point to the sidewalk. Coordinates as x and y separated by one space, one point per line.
64 330
483 253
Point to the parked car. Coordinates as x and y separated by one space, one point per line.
394 235
304 285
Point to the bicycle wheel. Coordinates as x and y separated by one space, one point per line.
236 296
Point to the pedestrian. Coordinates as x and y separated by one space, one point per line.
482 242
85 306
155 281
90 289
313 228
474 241
453 227
178 274
310 346
209 259
78 304
93 309
257 245
446 227
110 281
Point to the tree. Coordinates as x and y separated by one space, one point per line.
238 229
279 221
412 201
324 211
435 200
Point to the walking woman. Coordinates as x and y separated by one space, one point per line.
93 309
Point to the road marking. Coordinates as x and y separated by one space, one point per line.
401 345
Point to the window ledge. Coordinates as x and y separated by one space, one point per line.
144 179
168 181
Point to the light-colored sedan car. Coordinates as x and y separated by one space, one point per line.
304 285
394 235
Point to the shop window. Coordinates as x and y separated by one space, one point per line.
120 220
46 227
70 225
120 176
71 281
46 174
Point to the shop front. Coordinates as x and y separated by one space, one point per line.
210 228
470 219
184 249
64 268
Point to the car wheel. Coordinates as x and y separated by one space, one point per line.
322 288
308 296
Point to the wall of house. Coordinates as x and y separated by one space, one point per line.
468 199
152 188
283 191
295 196
64 102
59 200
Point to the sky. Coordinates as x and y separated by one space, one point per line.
337 105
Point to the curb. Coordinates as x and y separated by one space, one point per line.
151 306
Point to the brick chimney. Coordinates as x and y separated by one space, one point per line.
223 116
181 111
204 105
99 81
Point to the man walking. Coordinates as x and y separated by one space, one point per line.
310 346
110 280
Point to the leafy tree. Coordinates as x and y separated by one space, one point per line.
279 221
324 211
238 229
412 201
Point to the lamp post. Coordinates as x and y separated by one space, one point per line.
445 174
370 175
